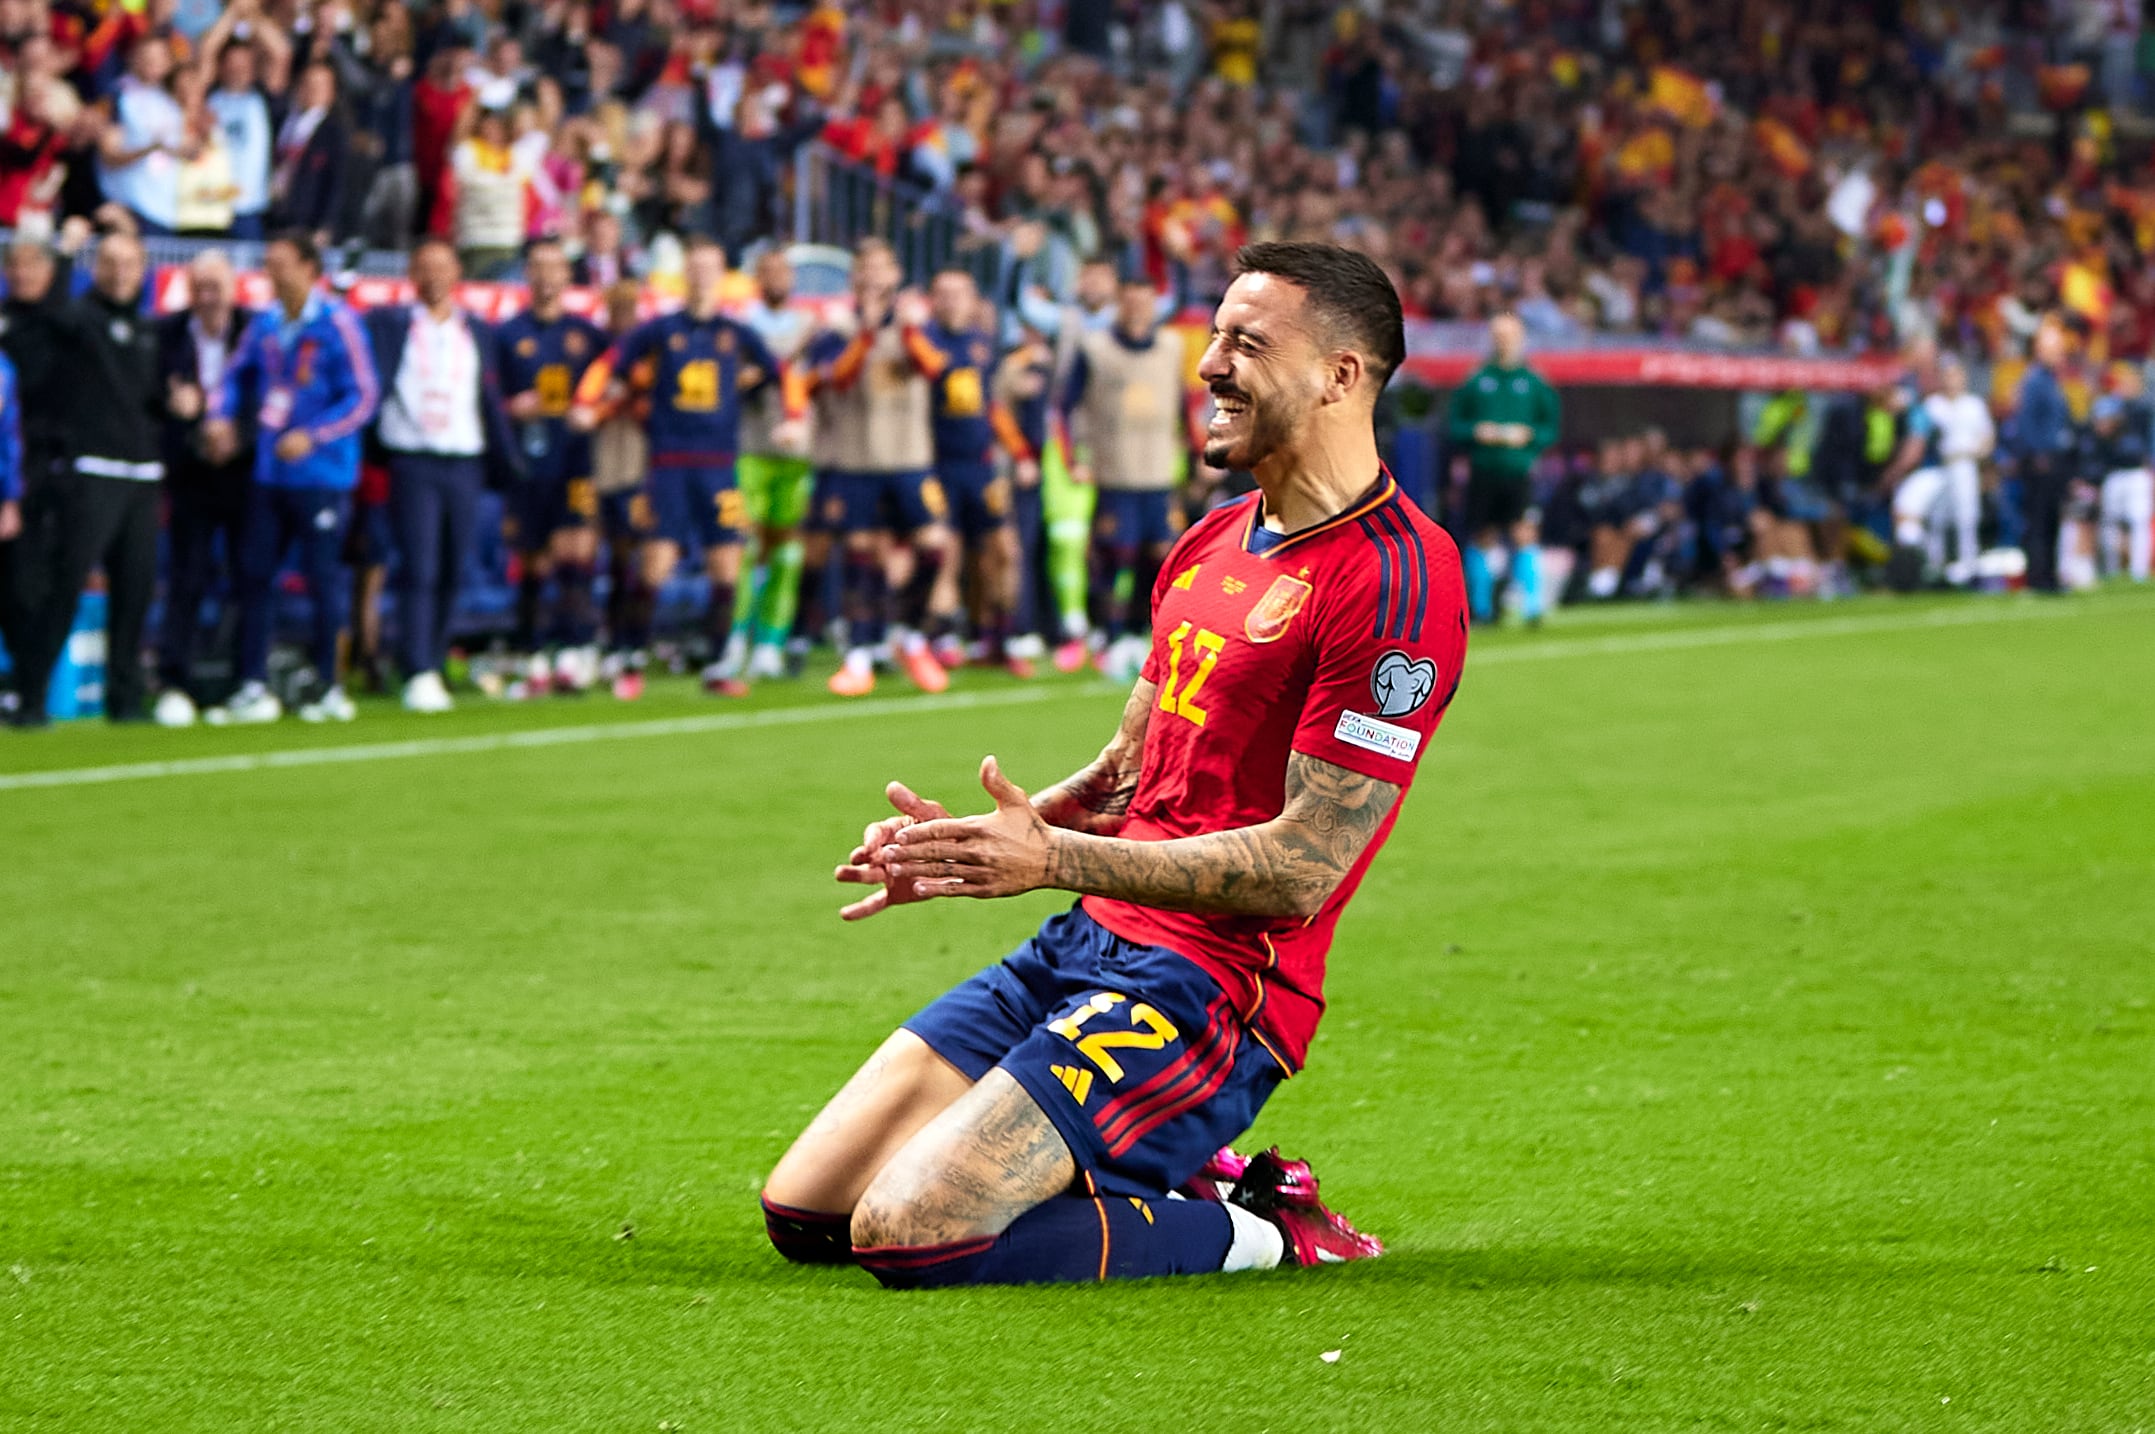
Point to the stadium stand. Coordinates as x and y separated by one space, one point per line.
1736 225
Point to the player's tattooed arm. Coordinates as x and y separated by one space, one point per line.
1097 799
1288 866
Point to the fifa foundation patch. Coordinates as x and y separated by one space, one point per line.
1383 738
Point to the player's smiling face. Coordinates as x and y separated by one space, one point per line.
1264 369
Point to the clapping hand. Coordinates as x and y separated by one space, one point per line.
867 867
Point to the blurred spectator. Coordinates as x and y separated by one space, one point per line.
106 515
207 500
306 189
139 157
241 109
2042 440
493 173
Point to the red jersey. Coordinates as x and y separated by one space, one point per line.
1343 642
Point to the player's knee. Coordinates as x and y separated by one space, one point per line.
807 1237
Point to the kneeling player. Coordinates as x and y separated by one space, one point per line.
1033 1124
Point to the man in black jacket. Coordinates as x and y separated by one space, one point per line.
33 333
106 511
193 350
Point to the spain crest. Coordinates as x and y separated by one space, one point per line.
303 362
574 343
526 346
1268 620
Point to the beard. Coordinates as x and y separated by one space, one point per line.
1264 428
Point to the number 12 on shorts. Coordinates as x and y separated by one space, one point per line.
1095 1047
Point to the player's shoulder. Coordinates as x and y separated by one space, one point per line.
1391 567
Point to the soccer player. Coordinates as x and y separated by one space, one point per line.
1502 417
2127 503
1958 435
873 451
1023 383
620 457
969 427
1032 1124
706 363
776 481
1123 402
544 353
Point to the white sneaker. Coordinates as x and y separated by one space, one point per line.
425 694
575 669
331 706
735 657
767 659
174 709
252 705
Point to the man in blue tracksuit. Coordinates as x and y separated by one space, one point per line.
10 453
305 371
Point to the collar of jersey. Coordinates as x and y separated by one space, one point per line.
1387 489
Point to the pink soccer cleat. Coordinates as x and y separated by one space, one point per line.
1285 1192
1072 655
1217 1180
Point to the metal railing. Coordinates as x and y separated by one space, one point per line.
840 203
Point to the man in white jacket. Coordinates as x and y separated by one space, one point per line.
1948 488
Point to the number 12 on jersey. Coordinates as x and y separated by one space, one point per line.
1204 648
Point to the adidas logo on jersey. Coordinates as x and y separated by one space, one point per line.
1076 1079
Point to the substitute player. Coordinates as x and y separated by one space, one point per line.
970 425
706 363
776 481
873 452
544 353
1123 406
1030 1125
1502 418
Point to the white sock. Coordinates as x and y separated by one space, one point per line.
1258 1243
860 659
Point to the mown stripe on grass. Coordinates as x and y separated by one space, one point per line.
1732 635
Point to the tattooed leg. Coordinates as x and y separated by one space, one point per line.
983 1197
987 1159
808 1201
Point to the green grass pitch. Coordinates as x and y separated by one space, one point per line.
1748 1027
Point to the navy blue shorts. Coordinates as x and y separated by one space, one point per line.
625 515
978 496
700 505
902 502
542 507
1134 1052
1125 519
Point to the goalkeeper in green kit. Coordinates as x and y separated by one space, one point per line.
1502 417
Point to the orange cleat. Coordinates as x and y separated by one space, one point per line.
1021 668
926 673
852 681
725 686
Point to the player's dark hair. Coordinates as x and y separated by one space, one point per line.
300 242
1346 291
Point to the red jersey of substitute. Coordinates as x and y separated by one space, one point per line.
1343 642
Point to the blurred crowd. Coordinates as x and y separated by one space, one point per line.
1753 171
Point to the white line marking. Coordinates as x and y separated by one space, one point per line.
547 736
1526 651
1787 630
